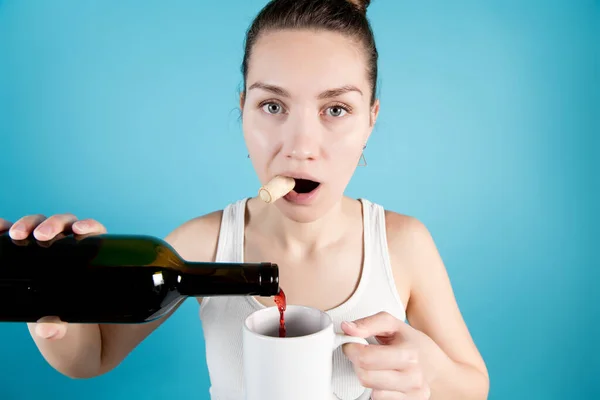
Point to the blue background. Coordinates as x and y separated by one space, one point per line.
127 112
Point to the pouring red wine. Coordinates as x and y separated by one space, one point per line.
280 300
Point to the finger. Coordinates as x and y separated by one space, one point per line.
51 328
381 357
88 226
23 227
4 225
387 395
422 394
395 381
54 225
380 324
390 395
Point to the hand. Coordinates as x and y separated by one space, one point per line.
396 367
44 230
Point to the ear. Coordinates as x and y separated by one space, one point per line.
242 101
374 112
373 118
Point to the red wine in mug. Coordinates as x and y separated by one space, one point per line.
298 366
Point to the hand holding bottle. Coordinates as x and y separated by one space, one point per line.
45 229
112 290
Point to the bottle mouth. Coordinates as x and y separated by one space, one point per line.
269 279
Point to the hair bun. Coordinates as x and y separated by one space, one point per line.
361 4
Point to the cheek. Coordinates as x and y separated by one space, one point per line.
258 134
344 159
346 144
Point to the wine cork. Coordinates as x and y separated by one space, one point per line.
276 188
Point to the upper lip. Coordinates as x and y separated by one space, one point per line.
299 175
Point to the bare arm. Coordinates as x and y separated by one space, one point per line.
195 240
89 350
433 310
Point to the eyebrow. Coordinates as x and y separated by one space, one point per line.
324 95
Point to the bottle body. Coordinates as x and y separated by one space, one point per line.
114 279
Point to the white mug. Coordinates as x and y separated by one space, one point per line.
296 367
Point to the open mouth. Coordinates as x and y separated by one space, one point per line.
303 186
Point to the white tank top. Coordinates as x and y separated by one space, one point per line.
222 317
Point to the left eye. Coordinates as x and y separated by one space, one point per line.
336 111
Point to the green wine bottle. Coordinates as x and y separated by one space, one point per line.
113 278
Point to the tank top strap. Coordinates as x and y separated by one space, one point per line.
230 244
230 247
379 246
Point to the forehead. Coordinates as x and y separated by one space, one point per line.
302 60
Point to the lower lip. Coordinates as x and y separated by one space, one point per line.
302 198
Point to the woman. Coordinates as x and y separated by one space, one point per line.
308 105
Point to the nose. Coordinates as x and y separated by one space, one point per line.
302 140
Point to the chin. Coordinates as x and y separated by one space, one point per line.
305 213
302 215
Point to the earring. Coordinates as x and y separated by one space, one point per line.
362 162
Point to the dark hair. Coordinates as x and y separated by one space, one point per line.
348 17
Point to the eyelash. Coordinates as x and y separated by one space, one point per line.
344 107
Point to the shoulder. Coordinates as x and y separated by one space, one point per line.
399 226
197 238
407 232
413 252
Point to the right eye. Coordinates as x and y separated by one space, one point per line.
272 108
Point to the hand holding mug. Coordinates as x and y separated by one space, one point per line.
394 369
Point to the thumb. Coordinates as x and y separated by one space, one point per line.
381 324
51 328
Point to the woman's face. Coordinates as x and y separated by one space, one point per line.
307 113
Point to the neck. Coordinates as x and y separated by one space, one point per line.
303 237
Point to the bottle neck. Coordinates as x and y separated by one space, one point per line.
228 279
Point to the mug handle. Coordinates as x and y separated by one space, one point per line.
341 339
